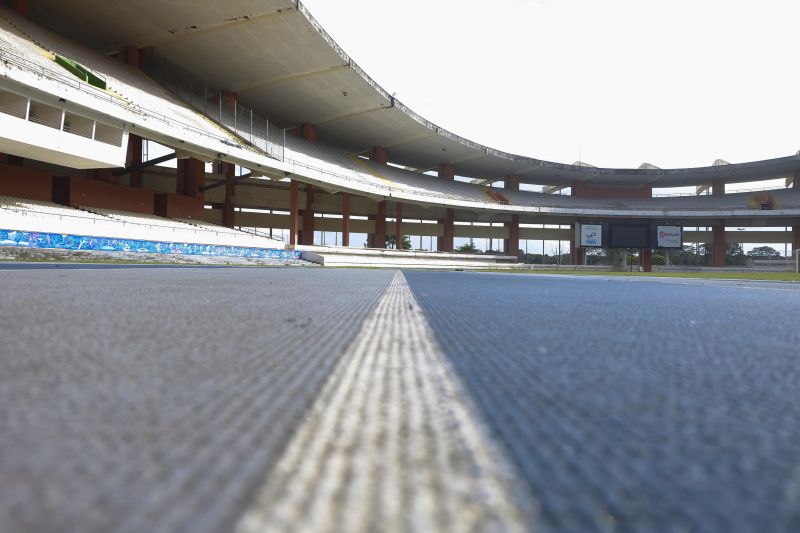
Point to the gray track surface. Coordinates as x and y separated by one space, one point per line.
155 400
634 405
160 399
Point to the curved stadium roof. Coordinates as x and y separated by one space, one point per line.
279 61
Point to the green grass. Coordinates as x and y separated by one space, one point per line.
762 276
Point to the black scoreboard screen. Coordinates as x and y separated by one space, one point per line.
629 235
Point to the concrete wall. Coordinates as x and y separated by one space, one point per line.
173 205
22 182
84 192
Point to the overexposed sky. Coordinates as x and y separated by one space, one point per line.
613 82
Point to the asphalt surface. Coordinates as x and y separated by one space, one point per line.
175 399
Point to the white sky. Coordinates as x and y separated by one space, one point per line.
615 82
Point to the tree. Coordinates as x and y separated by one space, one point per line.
733 253
391 242
764 252
468 248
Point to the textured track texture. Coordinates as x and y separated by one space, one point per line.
633 405
391 444
206 400
147 400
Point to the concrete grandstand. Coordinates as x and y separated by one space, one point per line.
273 126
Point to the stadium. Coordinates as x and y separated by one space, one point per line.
241 129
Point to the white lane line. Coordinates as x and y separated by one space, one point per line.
392 444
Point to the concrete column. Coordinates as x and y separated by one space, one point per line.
308 217
379 155
228 208
398 226
191 176
134 157
718 245
346 219
293 212
646 260
447 172
717 187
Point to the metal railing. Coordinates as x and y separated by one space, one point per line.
209 100
12 59
676 194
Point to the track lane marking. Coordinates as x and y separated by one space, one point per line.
392 443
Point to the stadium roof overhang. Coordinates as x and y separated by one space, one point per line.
282 63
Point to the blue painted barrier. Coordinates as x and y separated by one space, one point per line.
30 239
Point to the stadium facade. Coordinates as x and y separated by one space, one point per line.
274 126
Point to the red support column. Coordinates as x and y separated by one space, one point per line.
228 209
345 219
134 157
449 231
21 7
512 243
132 57
511 183
379 155
576 251
646 260
379 238
191 176
293 212
795 239
228 99
445 243
446 171
398 226
718 245
308 217
306 131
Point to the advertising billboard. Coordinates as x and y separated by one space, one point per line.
591 235
669 237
